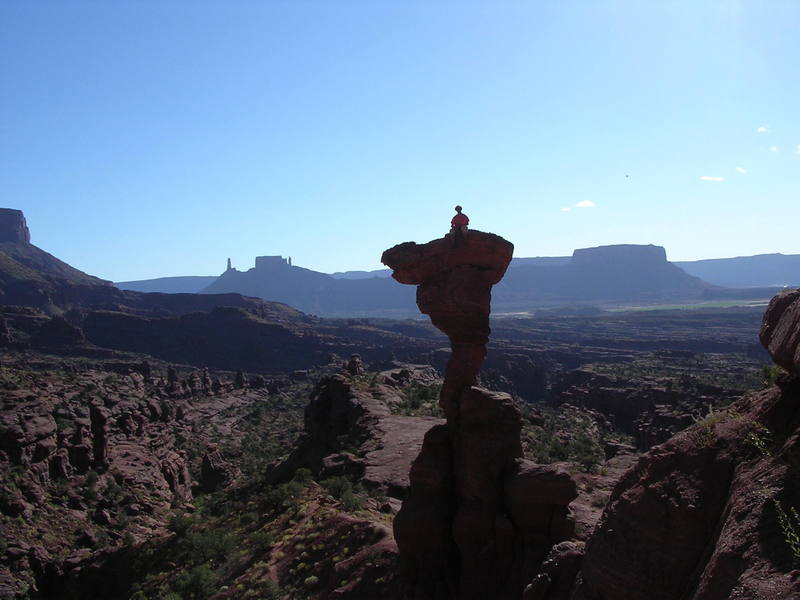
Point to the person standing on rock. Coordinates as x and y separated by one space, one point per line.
458 226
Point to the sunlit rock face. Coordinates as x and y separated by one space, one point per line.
780 330
478 519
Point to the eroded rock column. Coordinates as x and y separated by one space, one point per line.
454 290
472 527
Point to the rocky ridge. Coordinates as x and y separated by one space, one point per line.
350 430
93 459
711 513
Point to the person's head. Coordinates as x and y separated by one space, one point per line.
458 209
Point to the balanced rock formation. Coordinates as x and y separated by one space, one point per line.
454 290
479 519
780 330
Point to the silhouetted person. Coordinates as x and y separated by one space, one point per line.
458 227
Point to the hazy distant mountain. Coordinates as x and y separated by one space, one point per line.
608 274
317 293
189 284
362 274
747 271
539 261
30 276
620 273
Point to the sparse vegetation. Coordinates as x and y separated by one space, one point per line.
419 400
790 526
770 374
342 489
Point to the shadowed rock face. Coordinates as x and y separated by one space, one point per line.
700 516
454 290
13 227
478 519
780 330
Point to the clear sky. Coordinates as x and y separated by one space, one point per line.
147 139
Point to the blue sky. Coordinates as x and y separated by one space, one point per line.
146 139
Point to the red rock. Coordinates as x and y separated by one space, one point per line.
696 517
342 416
454 533
780 330
455 291
99 418
529 483
414 263
215 471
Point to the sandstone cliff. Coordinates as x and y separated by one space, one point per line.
13 227
711 513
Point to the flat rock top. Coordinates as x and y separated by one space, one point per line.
414 263
400 441
13 227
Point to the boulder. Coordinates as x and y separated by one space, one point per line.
780 330
215 471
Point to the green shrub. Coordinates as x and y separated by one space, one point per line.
337 486
282 496
197 584
271 590
210 544
770 374
262 541
302 475
790 526
351 502
179 523
247 518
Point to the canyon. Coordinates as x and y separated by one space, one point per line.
573 454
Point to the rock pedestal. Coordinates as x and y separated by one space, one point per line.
454 290
478 519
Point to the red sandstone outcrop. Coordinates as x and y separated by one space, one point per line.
479 519
705 515
697 516
215 471
94 450
454 290
780 330
349 430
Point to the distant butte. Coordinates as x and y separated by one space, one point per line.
13 227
